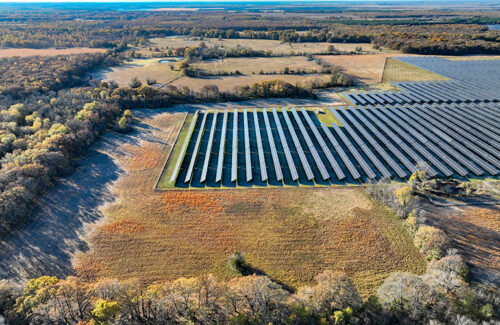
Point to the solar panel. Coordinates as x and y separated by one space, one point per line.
336 168
184 148
349 98
352 170
373 142
367 98
286 149
248 159
234 148
296 142
368 171
204 171
385 141
418 135
423 128
412 142
260 150
362 145
189 174
272 145
359 99
220 159
417 114
397 139
321 167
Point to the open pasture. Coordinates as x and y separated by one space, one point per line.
257 65
397 70
290 235
140 68
365 69
22 52
277 47
225 83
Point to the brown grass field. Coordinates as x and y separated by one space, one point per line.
365 69
4 53
277 47
396 70
140 68
289 234
229 82
256 65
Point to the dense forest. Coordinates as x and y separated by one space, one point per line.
112 29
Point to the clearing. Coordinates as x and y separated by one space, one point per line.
365 69
473 224
252 65
277 47
5 53
289 234
140 68
229 82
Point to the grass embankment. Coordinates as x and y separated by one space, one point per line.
396 70
164 180
289 234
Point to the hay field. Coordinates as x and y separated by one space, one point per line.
365 69
277 47
140 68
289 234
22 52
396 70
229 82
256 65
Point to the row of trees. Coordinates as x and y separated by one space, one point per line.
440 295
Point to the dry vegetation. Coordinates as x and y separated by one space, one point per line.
277 47
229 82
290 234
256 65
396 70
365 69
5 53
142 69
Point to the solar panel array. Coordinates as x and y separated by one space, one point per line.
469 81
449 126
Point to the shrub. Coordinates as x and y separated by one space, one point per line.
135 83
431 241
237 264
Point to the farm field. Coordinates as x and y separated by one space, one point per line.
255 65
396 70
229 82
22 52
365 69
140 68
277 47
289 234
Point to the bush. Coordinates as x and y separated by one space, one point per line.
237 264
431 241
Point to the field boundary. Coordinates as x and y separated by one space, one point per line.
174 144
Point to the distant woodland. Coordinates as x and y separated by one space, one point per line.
113 29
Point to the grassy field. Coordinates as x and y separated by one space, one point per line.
256 65
277 47
4 53
229 82
396 70
289 234
365 69
142 69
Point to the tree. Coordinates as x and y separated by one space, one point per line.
431 241
332 292
331 48
135 83
104 311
